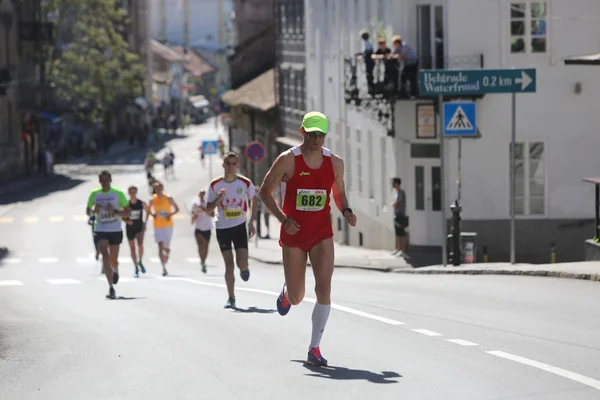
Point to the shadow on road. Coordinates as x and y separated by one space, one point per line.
14 193
128 298
254 310
342 373
133 154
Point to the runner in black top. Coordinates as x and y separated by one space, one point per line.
136 226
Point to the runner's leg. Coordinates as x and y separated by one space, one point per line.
103 248
294 269
202 247
229 268
113 249
133 254
140 242
322 261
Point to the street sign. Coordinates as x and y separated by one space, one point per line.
460 119
209 147
255 151
476 81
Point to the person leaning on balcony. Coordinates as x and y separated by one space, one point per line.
410 72
391 66
366 55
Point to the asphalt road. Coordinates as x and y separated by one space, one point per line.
390 336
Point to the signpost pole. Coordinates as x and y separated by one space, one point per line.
442 186
513 178
210 171
459 183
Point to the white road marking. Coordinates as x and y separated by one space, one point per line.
65 281
334 306
6 220
426 332
10 260
30 220
124 259
193 260
154 260
548 368
48 260
81 218
86 260
56 219
462 342
11 283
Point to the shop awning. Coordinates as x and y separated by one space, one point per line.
49 117
259 93
289 141
589 59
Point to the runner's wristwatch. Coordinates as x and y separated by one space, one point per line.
347 209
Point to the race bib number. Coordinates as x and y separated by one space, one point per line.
163 213
311 199
106 216
232 213
135 214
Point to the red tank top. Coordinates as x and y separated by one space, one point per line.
305 198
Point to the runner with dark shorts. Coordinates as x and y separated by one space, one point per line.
230 194
110 206
135 229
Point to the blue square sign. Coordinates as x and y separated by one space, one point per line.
460 119
209 147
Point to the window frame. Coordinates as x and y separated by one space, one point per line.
527 180
528 20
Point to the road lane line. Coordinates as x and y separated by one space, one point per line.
47 260
462 342
548 368
426 332
6 220
307 299
10 260
30 220
81 218
56 219
65 281
193 260
11 283
154 260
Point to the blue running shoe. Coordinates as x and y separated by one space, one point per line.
283 304
245 275
315 358
142 268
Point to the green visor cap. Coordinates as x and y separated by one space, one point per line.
315 122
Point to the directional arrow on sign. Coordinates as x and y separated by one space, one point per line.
525 80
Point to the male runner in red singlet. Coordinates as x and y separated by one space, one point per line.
308 173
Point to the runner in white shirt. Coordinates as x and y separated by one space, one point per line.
204 223
230 194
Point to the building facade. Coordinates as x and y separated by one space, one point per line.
381 137
290 82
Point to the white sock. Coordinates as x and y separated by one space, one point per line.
320 316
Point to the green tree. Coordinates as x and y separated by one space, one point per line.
91 66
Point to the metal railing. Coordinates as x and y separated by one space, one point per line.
356 83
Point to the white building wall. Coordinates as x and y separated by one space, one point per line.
567 123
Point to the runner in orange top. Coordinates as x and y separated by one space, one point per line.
308 174
163 207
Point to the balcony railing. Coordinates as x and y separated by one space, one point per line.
356 84
36 31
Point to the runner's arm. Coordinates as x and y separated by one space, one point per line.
253 204
339 187
149 213
211 205
272 179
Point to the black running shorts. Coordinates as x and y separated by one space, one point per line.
238 235
114 238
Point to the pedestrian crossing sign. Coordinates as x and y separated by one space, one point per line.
460 119
209 147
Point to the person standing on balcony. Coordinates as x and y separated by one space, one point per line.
384 53
410 72
367 54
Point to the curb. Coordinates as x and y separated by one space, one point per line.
382 269
542 273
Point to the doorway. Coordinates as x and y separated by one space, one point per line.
426 222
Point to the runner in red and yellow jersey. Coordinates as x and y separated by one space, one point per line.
308 174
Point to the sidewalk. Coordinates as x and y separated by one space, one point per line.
269 252
585 270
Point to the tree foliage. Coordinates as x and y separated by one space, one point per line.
91 65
